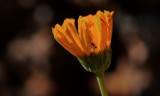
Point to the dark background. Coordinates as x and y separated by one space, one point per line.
32 63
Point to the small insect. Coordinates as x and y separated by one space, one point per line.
94 45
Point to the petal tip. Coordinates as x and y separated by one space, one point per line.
112 12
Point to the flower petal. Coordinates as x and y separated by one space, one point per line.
103 30
60 38
109 20
71 31
81 36
89 33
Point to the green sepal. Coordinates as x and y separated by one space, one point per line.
96 63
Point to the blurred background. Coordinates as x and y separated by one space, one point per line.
32 63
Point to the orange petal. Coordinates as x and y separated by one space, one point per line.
96 31
103 30
68 37
109 20
71 32
82 39
62 40
84 35
89 32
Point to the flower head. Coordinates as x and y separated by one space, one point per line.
93 36
91 44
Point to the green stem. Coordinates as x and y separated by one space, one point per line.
100 79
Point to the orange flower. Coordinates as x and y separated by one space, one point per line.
93 36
